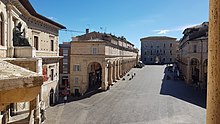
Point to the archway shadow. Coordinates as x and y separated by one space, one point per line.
180 90
77 98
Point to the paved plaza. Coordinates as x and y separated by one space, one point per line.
149 98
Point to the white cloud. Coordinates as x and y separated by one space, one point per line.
162 31
179 28
52 18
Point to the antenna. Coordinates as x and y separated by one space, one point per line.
67 30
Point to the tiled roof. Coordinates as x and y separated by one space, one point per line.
94 36
158 38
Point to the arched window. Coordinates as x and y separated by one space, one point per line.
1 30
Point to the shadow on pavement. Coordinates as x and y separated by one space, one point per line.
75 98
179 89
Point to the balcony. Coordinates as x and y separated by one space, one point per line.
17 84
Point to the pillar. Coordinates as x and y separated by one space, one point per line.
10 48
104 84
110 75
114 72
188 74
213 91
34 112
117 71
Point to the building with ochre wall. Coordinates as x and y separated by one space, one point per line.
99 60
193 55
40 56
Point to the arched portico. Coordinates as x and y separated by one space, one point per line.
194 70
94 72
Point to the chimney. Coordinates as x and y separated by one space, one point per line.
87 31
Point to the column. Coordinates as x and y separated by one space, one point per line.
114 72
213 91
34 111
104 84
188 73
117 71
10 48
110 75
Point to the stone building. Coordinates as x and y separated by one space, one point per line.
158 50
193 54
99 60
64 68
29 50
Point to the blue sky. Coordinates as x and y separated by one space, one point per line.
133 19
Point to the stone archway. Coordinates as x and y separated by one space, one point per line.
94 71
194 67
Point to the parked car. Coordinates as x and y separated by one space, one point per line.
139 65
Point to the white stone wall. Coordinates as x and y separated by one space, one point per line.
158 48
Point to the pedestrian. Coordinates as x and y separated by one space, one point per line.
65 99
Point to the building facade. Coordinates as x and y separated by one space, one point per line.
158 50
37 51
193 55
64 68
99 60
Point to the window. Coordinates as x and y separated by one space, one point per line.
65 71
52 45
164 59
145 53
1 31
170 59
65 61
164 52
94 50
76 80
171 44
36 42
151 52
170 52
76 68
164 45
194 48
145 59
52 74
157 51
65 51
151 59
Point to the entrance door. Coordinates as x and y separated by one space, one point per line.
77 92
51 97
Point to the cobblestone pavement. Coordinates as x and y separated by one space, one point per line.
146 99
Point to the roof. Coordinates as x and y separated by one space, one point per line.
27 5
196 32
158 38
96 36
